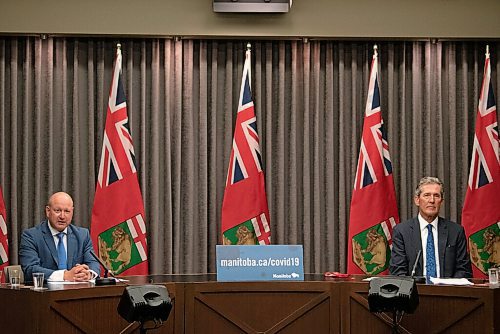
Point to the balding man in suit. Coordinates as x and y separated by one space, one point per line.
55 247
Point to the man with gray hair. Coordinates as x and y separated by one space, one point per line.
441 243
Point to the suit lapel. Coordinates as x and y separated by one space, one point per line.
71 243
49 241
442 240
417 240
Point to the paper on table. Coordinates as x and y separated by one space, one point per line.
90 281
451 281
68 282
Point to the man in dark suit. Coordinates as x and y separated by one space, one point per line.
55 247
442 243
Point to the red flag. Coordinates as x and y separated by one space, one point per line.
245 214
481 211
118 229
373 206
4 240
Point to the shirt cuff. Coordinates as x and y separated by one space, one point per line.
57 276
93 274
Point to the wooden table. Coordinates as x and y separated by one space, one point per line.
203 305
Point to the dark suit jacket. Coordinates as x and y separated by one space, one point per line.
38 253
454 260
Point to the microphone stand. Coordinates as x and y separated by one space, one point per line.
103 280
418 279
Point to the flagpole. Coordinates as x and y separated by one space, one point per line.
247 56
487 54
375 52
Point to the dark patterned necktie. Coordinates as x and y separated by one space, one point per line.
430 264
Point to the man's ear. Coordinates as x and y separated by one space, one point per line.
416 200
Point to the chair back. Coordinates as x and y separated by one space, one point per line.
7 271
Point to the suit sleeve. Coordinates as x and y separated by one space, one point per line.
398 264
88 259
463 265
29 257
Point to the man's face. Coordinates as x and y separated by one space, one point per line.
59 211
429 201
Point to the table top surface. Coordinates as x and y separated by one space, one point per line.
198 278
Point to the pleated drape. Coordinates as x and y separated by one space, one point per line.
182 97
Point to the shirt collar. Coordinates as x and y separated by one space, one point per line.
423 223
54 231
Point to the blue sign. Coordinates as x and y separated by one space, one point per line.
260 263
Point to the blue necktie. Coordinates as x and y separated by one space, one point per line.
430 265
61 252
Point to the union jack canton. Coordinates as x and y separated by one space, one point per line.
245 159
485 147
117 159
374 150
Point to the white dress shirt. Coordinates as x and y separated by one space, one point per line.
424 232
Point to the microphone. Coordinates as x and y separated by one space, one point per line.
416 262
419 279
105 280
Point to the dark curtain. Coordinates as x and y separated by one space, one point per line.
182 98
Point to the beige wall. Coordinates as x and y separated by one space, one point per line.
309 18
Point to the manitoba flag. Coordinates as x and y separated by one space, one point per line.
118 229
245 215
481 211
373 206
4 241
